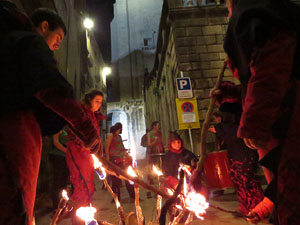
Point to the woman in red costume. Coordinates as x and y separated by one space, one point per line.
262 43
118 154
79 159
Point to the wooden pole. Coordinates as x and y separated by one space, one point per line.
189 219
103 223
120 173
61 206
177 219
138 209
118 204
206 122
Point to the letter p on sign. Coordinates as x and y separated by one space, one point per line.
182 84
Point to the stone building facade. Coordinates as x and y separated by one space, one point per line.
79 59
133 33
190 41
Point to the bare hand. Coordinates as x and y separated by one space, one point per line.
253 218
94 146
212 129
255 143
214 92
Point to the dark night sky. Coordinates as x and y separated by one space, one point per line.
102 13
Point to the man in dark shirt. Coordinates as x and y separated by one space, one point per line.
28 74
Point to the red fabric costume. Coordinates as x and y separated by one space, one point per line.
118 155
29 73
81 165
261 42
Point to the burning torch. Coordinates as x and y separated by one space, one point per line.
100 171
61 207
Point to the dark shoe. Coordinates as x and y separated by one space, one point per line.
149 194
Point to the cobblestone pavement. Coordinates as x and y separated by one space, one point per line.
106 210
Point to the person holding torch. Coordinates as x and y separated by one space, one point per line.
79 159
29 77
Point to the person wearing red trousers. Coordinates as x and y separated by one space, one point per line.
262 43
79 159
29 76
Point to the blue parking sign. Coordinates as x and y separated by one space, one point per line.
184 88
183 83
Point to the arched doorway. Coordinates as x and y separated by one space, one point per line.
133 122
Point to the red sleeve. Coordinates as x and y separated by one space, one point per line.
271 70
69 109
99 116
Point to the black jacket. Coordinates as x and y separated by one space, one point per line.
172 160
28 67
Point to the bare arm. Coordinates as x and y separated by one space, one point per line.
150 144
57 144
107 145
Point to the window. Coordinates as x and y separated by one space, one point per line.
148 44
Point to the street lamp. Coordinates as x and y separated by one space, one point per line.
88 23
106 71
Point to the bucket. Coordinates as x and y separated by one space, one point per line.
216 169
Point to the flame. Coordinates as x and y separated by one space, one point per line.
157 171
64 194
118 204
184 168
86 213
196 202
185 186
193 201
98 164
131 172
178 206
170 192
132 153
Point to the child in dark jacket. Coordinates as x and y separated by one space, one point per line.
176 155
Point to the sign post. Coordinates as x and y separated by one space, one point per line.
187 114
187 111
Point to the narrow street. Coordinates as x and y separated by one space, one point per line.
209 87
106 211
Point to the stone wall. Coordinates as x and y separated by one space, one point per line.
190 40
134 34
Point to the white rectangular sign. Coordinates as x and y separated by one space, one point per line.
188 117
